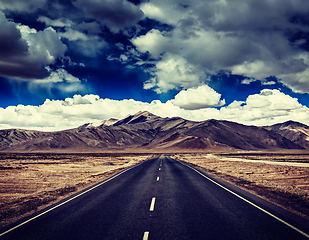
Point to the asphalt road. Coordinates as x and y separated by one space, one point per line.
161 199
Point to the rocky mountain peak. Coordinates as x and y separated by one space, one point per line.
103 123
294 131
141 116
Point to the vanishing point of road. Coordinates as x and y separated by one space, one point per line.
159 199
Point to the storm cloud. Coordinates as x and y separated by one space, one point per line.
21 5
24 52
116 14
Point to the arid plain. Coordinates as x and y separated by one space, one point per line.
30 182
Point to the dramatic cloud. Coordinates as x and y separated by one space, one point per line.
59 84
44 46
87 45
268 107
22 5
60 75
251 38
116 14
12 45
217 55
26 52
197 98
61 22
204 55
174 72
59 80
169 12
153 12
82 37
153 42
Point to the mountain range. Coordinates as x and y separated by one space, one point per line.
146 131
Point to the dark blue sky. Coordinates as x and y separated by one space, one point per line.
195 57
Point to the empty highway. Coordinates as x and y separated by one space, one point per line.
158 199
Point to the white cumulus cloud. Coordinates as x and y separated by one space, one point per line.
197 98
266 108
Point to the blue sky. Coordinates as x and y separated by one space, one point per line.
67 62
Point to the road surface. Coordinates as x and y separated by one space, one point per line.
161 199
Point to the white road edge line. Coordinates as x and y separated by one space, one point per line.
263 210
152 204
146 234
82 193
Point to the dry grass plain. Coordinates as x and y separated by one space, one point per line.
31 182
284 185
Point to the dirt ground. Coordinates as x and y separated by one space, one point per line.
267 176
31 182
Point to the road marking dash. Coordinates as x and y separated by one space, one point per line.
146 234
152 204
